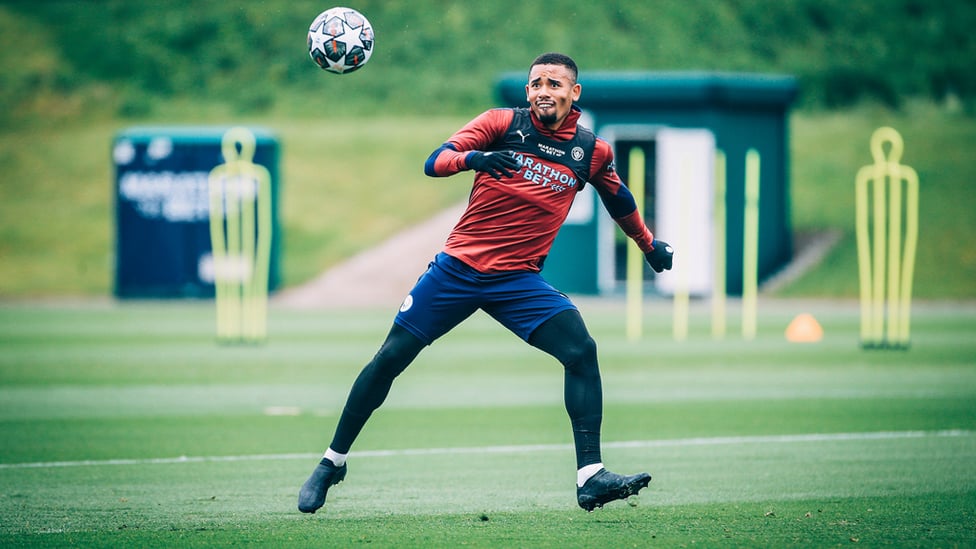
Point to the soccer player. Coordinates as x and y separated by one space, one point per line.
529 164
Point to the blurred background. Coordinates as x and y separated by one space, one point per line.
76 73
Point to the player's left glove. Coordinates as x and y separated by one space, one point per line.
661 257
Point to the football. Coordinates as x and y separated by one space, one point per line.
340 40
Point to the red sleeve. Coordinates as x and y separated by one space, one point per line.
476 135
633 226
603 168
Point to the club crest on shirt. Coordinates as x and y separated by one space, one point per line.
577 153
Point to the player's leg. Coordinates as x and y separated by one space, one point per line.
373 385
565 337
437 303
367 394
548 320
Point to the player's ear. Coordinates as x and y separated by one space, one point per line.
577 90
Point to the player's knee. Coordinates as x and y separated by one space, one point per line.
396 353
580 356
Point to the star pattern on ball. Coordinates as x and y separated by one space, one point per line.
317 39
352 38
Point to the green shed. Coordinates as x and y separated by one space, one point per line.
636 110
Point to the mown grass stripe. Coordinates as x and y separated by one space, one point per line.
515 449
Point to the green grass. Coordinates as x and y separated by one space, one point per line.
761 443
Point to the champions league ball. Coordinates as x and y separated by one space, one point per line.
340 40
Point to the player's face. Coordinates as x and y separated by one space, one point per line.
551 91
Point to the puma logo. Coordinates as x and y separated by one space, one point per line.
522 135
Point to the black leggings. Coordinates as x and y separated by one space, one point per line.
373 384
563 336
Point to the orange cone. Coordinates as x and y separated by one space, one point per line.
804 329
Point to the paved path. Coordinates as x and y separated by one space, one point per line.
379 276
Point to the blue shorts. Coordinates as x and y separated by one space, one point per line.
450 291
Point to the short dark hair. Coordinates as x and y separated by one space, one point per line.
553 58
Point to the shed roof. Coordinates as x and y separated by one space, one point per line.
617 90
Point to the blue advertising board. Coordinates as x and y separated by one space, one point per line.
163 242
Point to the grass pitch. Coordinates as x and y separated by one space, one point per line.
127 425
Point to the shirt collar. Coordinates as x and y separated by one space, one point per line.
566 131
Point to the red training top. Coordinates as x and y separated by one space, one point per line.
510 224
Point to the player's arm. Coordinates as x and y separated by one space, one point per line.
445 160
465 150
620 204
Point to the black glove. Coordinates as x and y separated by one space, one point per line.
495 164
660 257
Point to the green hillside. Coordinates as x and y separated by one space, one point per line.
74 73
437 56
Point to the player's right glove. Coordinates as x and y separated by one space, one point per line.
661 257
493 163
